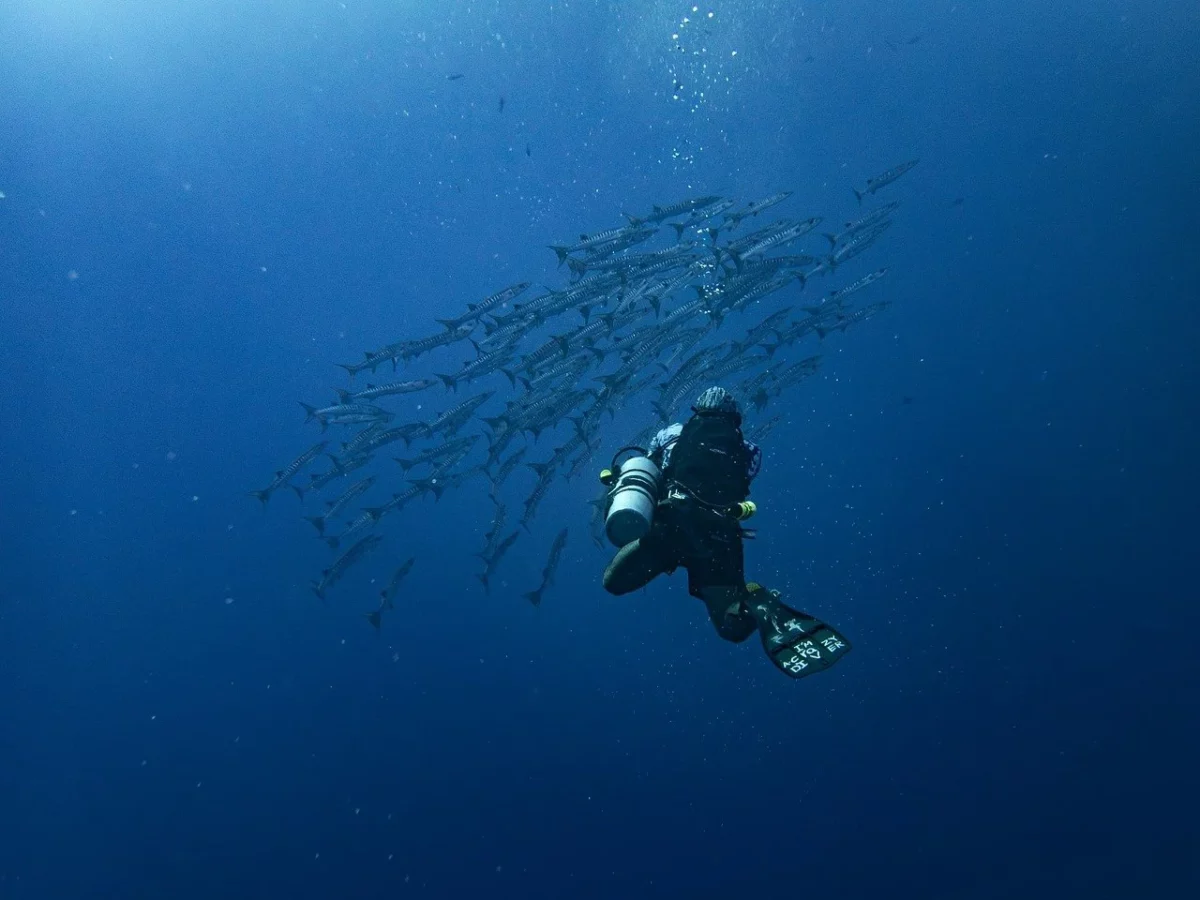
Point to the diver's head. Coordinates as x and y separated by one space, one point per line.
716 401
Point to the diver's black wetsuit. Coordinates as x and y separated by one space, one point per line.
708 546
707 467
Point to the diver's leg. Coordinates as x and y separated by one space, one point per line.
728 612
635 566
716 574
795 642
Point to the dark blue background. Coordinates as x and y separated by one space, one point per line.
248 193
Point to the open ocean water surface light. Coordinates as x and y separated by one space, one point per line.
991 487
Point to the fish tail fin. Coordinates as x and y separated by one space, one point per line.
332 540
449 324
299 491
318 590
679 230
310 412
343 395
318 522
374 617
859 195
262 496
578 423
349 367
821 332
832 238
561 252
495 422
429 485
450 381
534 597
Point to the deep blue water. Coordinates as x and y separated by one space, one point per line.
205 208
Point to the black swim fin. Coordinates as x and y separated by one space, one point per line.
795 642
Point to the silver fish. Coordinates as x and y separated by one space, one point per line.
388 595
282 476
340 565
476 311
883 180
551 567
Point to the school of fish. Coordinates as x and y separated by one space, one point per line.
724 298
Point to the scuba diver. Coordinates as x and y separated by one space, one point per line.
682 502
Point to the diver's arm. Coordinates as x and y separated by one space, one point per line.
657 450
747 508
755 462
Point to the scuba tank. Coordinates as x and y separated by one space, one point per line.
636 488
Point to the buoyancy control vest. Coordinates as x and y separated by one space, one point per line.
710 461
